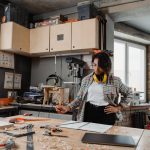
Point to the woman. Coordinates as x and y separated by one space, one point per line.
97 98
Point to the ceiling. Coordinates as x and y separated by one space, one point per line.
42 6
141 23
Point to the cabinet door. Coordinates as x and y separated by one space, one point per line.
21 38
14 37
39 40
6 35
85 34
60 37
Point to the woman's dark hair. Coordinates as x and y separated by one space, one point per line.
104 61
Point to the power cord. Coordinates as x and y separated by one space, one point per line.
40 110
49 115
51 110
19 107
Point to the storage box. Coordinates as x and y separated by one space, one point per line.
16 14
86 10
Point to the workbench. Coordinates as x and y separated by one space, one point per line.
38 110
73 139
6 111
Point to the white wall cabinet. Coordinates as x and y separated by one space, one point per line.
15 37
74 36
39 40
60 37
85 34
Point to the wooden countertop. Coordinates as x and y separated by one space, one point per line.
73 141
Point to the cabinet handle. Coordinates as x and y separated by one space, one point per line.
20 48
51 48
73 46
46 48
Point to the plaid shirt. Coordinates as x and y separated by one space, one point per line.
111 90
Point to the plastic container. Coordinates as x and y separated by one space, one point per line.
5 101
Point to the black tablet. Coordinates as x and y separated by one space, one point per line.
107 139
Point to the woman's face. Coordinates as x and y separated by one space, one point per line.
97 70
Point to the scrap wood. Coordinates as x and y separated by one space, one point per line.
21 119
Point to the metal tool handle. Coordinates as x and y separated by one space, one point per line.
30 145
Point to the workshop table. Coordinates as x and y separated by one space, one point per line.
73 139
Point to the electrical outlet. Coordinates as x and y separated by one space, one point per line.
12 94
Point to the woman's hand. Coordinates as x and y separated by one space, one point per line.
62 109
112 109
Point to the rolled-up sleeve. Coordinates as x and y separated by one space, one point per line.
126 92
77 101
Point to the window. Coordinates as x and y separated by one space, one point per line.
130 65
119 60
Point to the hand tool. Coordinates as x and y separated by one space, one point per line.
30 145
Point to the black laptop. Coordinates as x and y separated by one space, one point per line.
107 139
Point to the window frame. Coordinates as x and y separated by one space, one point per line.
140 46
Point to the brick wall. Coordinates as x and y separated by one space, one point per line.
127 117
148 73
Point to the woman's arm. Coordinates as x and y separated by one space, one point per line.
112 109
126 92
74 104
